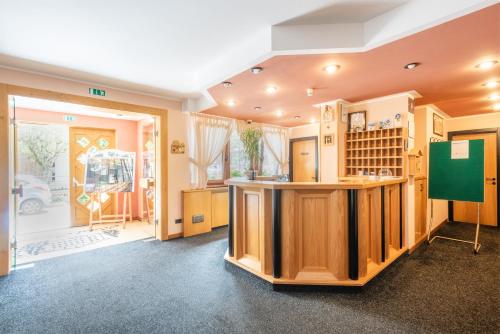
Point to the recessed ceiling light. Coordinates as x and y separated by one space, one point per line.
227 84
256 69
494 97
279 112
230 103
491 84
332 68
486 65
496 106
271 89
312 120
257 108
297 117
411 66
119 115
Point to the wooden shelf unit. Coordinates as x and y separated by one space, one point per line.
369 151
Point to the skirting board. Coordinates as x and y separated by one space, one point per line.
174 236
424 237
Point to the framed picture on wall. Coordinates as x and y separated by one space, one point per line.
328 139
357 121
437 125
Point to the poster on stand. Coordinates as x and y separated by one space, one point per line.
110 171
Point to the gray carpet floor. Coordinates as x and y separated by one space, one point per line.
184 286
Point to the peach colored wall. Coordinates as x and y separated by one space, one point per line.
125 134
484 121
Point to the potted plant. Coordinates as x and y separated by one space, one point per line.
250 138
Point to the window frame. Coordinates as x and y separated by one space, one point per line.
225 169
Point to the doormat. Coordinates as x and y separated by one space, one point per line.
71 240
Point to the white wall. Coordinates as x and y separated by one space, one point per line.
309 130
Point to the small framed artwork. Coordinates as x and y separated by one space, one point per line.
357 121
328 139
328 114
437 125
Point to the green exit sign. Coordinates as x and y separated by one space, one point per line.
97 92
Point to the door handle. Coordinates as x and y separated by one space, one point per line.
18 191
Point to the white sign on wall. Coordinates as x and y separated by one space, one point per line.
460 149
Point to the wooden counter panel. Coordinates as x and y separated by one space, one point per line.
314 234
369 229
252 228
392 228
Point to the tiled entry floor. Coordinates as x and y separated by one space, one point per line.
48 244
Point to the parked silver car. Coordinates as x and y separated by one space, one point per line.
35 195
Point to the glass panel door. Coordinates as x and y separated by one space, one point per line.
16 189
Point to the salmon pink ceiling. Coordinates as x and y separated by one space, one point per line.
447 76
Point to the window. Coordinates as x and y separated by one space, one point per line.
233 162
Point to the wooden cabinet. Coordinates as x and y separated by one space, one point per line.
204 209
420 207
219 208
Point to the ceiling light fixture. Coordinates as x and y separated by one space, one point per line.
411 66
312 120
230 103
279 112
257 108
310 91
271 89
494 97
486 65
227 84
256 69
496 106
491 84
332 68
297 117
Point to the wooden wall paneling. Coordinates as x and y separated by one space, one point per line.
288 248
338 262
5 209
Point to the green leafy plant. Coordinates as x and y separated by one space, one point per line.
251 138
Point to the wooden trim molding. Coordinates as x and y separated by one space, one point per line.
6 90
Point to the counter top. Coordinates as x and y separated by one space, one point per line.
342 183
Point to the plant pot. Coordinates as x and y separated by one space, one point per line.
252 175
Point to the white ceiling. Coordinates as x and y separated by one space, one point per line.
180 48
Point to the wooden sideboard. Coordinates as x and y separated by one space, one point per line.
315 233
204 209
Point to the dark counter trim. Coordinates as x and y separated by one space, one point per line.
276 233
230 227
382 222
352 203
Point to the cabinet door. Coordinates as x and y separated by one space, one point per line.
220 209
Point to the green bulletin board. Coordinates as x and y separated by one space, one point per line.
456 179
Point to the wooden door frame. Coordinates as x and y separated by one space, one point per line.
472 132
6 90
290 150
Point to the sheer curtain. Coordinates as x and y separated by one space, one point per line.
208 136
276 139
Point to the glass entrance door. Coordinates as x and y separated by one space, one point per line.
16 189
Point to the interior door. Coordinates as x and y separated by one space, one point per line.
467 211
81 142
304 157
17 191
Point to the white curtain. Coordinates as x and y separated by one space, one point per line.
208 136
276 139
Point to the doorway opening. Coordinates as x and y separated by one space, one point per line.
84 178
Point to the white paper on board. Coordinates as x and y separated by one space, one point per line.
460 149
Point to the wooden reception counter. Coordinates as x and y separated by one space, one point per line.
309 233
